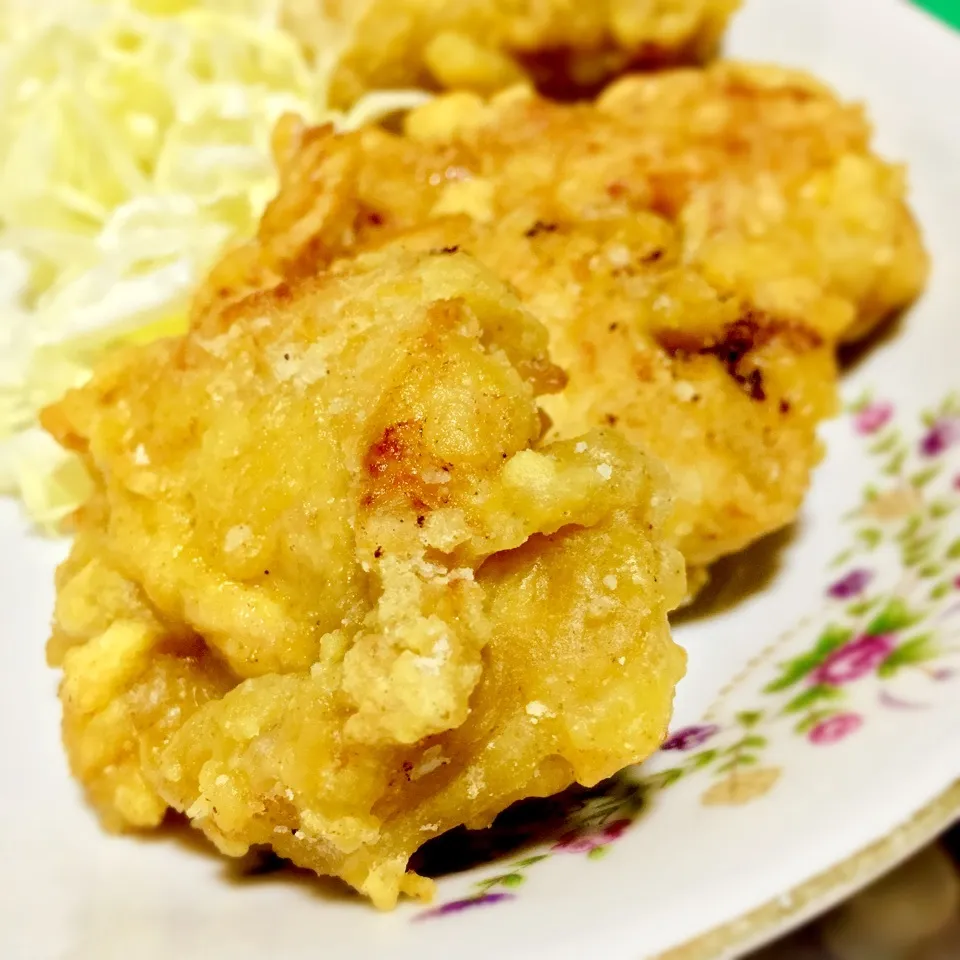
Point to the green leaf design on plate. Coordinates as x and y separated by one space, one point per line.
886 443
930 570
811 696
749 718
749 742
833 636
667 778
894 616
861 402
597 852
735 762
941 590
794 671
895 464
530 861
953 551
910 653
811 720
702 759
502 880
870 537
921 543
940 509
923 477
841 558
918 546
910 528
862 607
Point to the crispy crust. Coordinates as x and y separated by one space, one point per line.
696 243
567 48
334 595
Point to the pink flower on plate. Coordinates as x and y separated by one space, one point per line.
873 417
943 434
851 585
853 660
835 728
686 738
577 842
458 906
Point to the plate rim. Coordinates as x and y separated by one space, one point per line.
824 890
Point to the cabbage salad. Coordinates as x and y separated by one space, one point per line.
135 144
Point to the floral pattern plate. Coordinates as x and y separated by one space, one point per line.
817 735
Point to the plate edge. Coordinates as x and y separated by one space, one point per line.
823 890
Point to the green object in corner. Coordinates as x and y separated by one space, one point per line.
946 10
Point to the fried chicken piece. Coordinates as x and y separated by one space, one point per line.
727 396
696 244
768 179
567 48
333 595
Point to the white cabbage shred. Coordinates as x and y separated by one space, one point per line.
134 143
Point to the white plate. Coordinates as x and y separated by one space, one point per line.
779 803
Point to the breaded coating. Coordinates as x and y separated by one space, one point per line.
567 48
696 244
727 396
333 594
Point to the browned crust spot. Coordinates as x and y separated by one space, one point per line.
736 343
394 465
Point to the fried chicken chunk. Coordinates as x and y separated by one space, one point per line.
566 47
332 593
696 244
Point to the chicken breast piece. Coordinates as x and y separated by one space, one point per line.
333 594
696 243
565 47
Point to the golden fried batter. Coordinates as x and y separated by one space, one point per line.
566 47
695 243
332 595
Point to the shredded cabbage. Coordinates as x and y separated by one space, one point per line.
134 143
